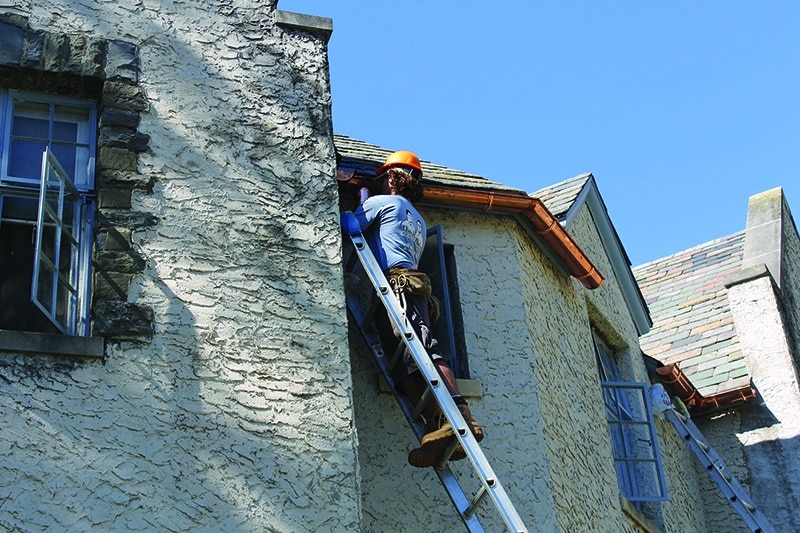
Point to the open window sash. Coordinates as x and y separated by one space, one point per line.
637 457
433 264
60 264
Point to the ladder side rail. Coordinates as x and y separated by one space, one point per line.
446 476
479 462
736 495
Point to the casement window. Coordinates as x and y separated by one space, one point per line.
47 155
438 262
633 436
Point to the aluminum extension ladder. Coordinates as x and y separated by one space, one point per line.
363 316
739 498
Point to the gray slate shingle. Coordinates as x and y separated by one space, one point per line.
692 321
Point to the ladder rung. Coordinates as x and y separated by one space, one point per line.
423 401
447 454
395 357
473 505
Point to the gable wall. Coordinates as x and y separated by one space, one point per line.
608 314
529 344
229 416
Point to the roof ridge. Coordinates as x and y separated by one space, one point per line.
708 244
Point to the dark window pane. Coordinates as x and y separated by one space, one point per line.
65 131
25 159
66 157
29 127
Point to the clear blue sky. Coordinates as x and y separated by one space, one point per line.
682 109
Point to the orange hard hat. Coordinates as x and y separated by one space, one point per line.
402 158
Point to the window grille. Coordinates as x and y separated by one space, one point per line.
46 212
634 442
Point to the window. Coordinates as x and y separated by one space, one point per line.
633 437
46 212
438 262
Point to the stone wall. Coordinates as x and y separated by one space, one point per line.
229 407
107 70
763 301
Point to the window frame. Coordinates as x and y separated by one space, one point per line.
630 463
75 319
446 329
73 232
86 182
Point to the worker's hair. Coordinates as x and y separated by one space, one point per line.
405 184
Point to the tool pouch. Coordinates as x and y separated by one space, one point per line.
416 283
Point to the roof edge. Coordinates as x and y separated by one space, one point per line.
620 262
545 225
678 383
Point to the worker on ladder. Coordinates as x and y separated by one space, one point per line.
396 234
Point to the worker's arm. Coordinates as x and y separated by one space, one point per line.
350 223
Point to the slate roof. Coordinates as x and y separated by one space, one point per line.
365 159
560 197
692 321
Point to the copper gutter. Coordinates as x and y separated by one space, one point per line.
679 385
509 203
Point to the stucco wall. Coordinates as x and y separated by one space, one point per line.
606 309
237 414
401 498
529 343
790 284
770 427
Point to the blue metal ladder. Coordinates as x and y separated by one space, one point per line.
739 499
363 316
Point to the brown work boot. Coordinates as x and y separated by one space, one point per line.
476 429
477 432
438 433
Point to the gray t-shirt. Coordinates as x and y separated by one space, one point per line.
394 230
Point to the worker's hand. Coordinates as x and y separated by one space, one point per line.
350 223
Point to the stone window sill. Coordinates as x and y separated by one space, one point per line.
637 516
51 344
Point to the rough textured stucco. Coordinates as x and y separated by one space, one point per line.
721 430
770 432
682 512
529 344
232 417
766 318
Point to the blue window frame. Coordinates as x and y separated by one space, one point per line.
46 212
438 262
634 442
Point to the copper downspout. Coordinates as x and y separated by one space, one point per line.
510 203
676 382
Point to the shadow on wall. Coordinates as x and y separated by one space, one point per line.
773 466
203 424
